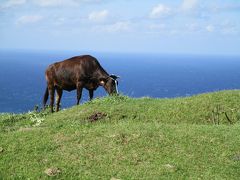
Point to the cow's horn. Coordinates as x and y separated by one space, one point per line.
114 76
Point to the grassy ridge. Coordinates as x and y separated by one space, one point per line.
126 138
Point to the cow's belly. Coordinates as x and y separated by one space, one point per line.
69 88
91 86
65 86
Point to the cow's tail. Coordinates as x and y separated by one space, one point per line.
45 98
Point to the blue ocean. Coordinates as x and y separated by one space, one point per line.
22 79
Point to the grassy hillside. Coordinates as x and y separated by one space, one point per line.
124 138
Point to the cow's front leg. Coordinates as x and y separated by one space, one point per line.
90 94
51 90
79 92
58 98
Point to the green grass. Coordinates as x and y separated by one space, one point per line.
144 138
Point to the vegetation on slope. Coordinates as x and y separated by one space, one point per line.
125 138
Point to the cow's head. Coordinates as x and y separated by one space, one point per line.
110 84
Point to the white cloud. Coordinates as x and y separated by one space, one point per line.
29 19
12 3
229 28
160 11
229 31
121 26
193 27
46 3
90 1
174 32
63 3
60 21
210 28
229 7
157 26
54 3
99 16
189 4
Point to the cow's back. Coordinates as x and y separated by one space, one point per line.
85 64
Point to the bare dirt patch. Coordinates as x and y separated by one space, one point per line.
53 171
23 129
97 116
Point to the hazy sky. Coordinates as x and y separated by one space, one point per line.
158 26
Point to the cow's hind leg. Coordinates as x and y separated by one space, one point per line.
90 94
45 98
79 92
51 90
58 98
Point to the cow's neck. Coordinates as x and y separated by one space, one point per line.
101 74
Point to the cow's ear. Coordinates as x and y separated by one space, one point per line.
102 81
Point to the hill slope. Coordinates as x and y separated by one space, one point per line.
126 138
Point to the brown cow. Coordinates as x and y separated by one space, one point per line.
77 73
